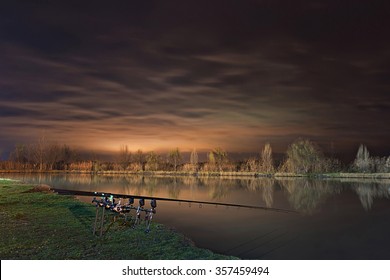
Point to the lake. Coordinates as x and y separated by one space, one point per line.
335 219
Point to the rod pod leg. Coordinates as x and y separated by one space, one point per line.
148 222
96 220
102 222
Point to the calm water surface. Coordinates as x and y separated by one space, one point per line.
337 219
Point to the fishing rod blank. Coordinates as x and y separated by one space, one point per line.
85 193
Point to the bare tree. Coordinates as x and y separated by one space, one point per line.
153 161
139 159
53 156
174 157
387 165
124 157
363 161
19 154
68 156
194 159
39 151
267 163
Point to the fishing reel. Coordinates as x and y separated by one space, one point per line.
119 208
99 203
106 202
125 208
110 202
153 204
151 211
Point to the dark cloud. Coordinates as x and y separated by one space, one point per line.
42 38
6 111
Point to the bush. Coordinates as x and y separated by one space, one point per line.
303 157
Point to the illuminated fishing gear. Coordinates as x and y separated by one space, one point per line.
107 201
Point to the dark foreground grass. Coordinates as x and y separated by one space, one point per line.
38 224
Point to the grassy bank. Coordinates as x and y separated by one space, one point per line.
38 224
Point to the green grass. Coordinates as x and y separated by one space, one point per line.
43 225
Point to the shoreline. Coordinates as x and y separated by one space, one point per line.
231 174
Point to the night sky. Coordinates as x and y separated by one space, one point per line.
156 75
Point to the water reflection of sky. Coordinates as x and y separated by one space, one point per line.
338 219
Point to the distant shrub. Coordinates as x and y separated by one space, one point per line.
188 167
135 167
153 162
174 158
380 164
250 165
303 157
81 166
363 162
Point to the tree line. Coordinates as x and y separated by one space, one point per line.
302 157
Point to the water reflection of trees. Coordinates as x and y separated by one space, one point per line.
264 185
303 194
368 191
218 188
307 195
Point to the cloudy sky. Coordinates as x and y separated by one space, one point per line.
156 75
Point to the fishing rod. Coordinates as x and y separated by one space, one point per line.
200 202
107 202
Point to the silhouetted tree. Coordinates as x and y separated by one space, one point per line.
53 156
124 158
267 163
139 158
194 159
19 154
387 164
39 152
68 156
152 161
174 158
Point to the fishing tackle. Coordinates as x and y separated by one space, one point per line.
107 202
